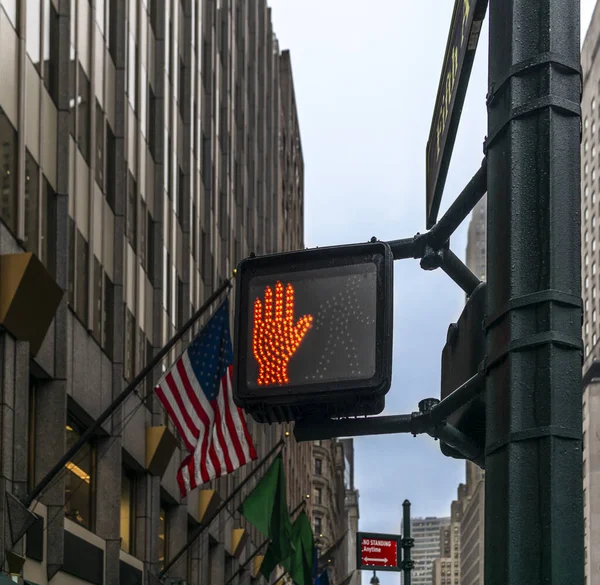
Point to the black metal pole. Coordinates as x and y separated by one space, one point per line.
247 561
200 529
91 431
459 272
407 543
460 208
533 488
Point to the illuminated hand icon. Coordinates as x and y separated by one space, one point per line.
276 337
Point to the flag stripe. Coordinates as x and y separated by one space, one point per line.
203 438
240 419
208 459
164 394
221 435
190 420
232 426
197 394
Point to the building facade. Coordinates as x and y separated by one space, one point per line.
146 147
590 260
335 509
446 568
426 533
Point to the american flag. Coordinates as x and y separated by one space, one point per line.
197 394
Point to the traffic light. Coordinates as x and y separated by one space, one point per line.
314 333
461 357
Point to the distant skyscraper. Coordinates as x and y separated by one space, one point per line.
426 533
476 242
590 260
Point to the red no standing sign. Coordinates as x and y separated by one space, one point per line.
378 551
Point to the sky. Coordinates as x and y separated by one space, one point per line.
365 77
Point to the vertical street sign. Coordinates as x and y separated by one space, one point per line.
378 551
458 61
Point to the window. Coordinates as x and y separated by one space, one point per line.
113 25
33 32
150 246
97 302
585 170
83 115
71 238
48 235
31 436
587 259
127 510
163 537
143 231
154 15
594 316
594 268
11 8
8 172
107 314
80 480
129 346
131 210
318 495
587 282
585 146
318 466
32 203
111 161
99 146
318 525
153 123
82 272
51 50
594 339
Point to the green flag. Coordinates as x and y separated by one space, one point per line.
300 564
266 509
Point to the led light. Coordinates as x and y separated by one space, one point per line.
275 338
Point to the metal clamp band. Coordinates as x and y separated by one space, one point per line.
536 298
535 433
547 337
547 101
524 66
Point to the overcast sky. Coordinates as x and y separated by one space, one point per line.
366 77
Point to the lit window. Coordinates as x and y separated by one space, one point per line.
587 328
587 282
593 127
593 244
127 510
594 316
79 481
586 214
594 339
587 259
585 146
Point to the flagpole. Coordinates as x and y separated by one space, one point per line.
234 493
91 430
245 564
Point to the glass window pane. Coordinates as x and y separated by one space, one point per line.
32 200
48 235
83 115
82 275
34 31
8 172
127 510
78 482
99 146
107 329
51 49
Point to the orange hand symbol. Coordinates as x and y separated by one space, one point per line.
276 338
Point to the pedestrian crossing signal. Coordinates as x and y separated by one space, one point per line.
314 332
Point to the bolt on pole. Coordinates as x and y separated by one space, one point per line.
533 488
